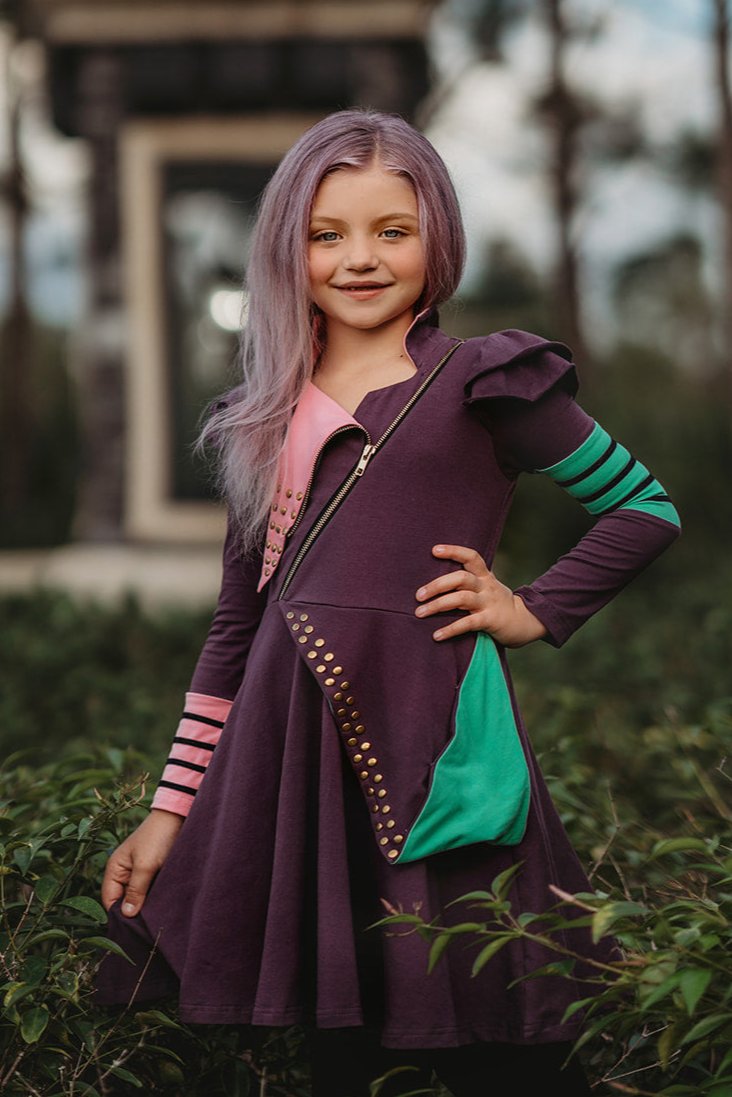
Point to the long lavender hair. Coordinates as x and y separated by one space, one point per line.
283 333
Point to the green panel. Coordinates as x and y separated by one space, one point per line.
480 784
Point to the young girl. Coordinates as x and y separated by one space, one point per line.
350 741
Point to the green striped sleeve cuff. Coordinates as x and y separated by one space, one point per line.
603 476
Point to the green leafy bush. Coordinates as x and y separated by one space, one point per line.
57 824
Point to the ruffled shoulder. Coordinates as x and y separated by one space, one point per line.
519 365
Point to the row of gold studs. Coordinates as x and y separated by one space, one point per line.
343 710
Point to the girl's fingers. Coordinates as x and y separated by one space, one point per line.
455 580
472 622
470 558
459 599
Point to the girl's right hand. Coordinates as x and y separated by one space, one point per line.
132 866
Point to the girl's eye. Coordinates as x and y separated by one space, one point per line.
393 234
327 236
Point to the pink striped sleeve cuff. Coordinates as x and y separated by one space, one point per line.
193 746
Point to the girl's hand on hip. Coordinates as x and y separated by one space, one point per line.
132 866
489 605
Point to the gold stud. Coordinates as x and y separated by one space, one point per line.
321 668
390 824
361 729
302 639
378 778
364 746
288 493
274 506
385 809
329 656
293 514
283 510
381 792
296 627
398 838
372 761
379 826
267 560
338 696
319 643
351 742
346 726
329 681
267 571
355 714
384 841
299 495
340 712
375 807
392 854
358 757
271 525
279 487
309 628
370 790
344 685
350 700
279 530
303 616
363 774
312 655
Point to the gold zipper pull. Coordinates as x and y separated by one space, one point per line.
368 451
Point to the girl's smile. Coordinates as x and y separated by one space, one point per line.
366 255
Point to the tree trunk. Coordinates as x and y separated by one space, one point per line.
563 117
724 162
15 360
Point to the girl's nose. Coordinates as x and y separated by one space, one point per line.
360 256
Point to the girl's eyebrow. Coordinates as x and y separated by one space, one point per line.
379 220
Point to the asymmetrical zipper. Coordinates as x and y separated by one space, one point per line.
369 449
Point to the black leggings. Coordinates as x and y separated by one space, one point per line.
346 1061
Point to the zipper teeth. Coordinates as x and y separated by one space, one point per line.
306 493
322 521
352 477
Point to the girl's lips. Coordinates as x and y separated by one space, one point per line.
363 290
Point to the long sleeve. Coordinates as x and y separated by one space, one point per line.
216 679
635 519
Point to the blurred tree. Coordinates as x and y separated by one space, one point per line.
721 37
563 111
15 395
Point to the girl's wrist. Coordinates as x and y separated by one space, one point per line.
531 627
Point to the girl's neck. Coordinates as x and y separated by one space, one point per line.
352 350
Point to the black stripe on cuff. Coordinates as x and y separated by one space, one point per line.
202 719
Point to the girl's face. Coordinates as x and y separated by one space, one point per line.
366 255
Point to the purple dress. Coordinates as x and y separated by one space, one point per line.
294 843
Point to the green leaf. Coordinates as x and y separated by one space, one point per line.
156 1017
126 1076
46 888
33 1024
573 1007
693 983
501 885
472 895
105 943
707 1026
436 950
90 907
489 951
649 997
608 915
678 845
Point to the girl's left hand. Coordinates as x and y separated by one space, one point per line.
490 606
